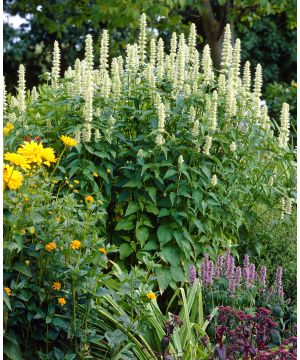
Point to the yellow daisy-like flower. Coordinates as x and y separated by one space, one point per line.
8 291
23 232
108 171
17 160
89 199
151 296
31 230
95 174
68 141
61 301
57 219
103 251
56 285
76 182
75 244
75 191
32 151
12 178
7 128
71 186
50 246
48 156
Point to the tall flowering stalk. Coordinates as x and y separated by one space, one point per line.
142 39
21 89
55 65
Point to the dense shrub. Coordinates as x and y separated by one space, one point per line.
150 163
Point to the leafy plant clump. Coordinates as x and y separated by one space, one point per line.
116 179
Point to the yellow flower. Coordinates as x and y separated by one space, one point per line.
8 291
89 199
71 186
31 230
108 171
57 219
50 246
48 156
75 244
7 128
151 296
76 182
103 251
12 178
75 191
95 174
32 151
23 232
17 159
54 181
26 198
62 301
27 262
68 141
56 285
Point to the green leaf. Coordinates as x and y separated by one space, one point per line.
151 245
6 300
197 195
172 197
163 212
151 208
134 183
131 209
152 193
164 277
23 269
177 273
171 254
125 224
164 234
11 347
170 173
125 250
142 234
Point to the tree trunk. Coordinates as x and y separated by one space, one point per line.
213 29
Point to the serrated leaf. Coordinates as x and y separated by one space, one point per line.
170 173
134 183
164 277
23 269
125 250
151 208
131 209
164 234
152 193
151 245
125 224
142 234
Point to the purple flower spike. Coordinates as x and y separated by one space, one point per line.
219 269
204 269
238 275
263 275
252 273
192 275
210 271
232 285
229 265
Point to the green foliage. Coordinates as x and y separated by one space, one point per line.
275 92
126 209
